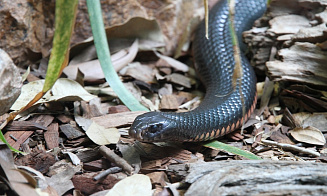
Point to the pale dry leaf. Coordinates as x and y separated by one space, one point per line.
318 120
31 180
135 90
310 135
173 62
61 182
95 90
16 179
179 79
102 136
25 75
138 71
68 90
92 69
27 94
63 90
136 185
73 157
84 123
33 171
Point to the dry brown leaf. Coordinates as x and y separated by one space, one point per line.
17 181
140 72
92 69
317 120
179 79
309 135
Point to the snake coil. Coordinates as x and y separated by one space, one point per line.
217 115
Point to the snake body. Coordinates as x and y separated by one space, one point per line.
221 110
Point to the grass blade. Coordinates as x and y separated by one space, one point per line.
64 25
231 149
3 139
102 48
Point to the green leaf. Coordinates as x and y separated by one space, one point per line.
231 149
102 48
3 139
64 25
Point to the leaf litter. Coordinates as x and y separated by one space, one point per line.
266 135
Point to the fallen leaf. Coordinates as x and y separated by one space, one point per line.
61 182
8 171
92 69
139 72
309 135
179 79
317 120
117 120
173 62
63 90
102 136
73 157
68 90
136 185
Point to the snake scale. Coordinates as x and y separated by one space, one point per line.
220 112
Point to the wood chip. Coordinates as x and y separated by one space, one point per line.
44 120
118 109
179 79
64 118
89 110
51 136
311 34
311 69
16 138
70 131
169 102
24 126
89 155
288 24
158 178
96 165
88 186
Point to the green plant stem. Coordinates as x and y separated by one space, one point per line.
102 48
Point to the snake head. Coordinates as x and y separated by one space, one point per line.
152 127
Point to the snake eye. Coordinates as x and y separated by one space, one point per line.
154 128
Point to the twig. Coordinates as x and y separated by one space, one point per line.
113 157
291 147
107 172
206 15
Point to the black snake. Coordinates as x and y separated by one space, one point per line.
220 112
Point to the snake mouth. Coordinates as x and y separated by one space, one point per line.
151 127
145 135
141 132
